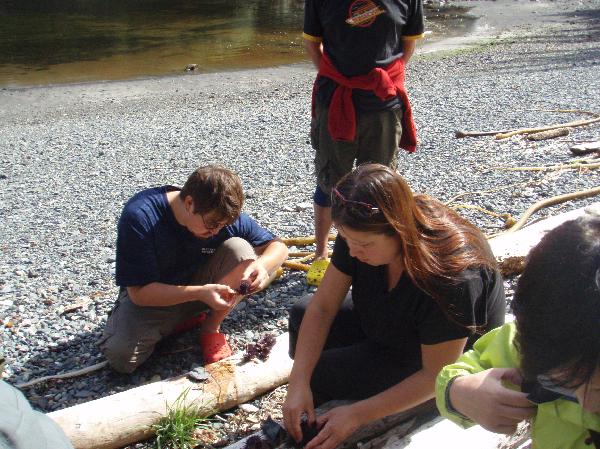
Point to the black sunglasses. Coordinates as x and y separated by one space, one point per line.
357 207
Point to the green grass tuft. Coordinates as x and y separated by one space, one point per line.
176 429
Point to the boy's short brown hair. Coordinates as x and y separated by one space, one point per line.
216 190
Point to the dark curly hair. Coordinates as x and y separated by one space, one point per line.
557 305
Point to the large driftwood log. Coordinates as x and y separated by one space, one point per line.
399 423
511 249
440 432
126 417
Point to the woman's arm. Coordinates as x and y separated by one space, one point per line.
311 338
340 422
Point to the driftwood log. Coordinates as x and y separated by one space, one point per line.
441 432
504 134
364 437
574 124
125 418
551 202
550 134
303 241
511 249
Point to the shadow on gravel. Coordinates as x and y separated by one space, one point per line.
173 356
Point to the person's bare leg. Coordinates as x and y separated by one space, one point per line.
213 322
323 223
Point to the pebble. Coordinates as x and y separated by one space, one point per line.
249 408
304 206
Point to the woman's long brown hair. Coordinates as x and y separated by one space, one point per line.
437 243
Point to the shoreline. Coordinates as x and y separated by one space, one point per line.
494 19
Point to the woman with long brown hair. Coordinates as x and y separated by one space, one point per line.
422 281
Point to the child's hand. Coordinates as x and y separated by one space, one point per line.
483 398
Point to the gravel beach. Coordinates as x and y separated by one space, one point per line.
71 155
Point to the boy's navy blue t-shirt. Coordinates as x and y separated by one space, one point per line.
153 247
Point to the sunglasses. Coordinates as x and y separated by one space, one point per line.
357 207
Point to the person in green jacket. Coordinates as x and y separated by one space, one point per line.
546 365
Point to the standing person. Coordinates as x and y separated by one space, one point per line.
184 257
360 107
423 282
551 353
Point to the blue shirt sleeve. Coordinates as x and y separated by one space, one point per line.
247 228
137 262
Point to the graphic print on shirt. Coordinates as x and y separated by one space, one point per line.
362 13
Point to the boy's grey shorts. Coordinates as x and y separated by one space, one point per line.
132 331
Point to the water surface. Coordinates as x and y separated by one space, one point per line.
62 41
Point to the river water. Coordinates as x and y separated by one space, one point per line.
61 41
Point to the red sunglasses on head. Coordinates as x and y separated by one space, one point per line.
358 207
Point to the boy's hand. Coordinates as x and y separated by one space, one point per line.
218 296
255 276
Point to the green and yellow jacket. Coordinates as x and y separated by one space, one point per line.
558 424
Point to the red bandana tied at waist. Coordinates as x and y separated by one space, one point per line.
385 82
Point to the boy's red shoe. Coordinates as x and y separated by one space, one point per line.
190 323
214 347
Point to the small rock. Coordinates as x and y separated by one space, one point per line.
303 206
249 408
198 374
83 394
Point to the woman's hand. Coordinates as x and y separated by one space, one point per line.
299 401
335 426
483 398
218 296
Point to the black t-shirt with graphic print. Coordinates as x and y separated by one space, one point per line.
406 317
359 35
